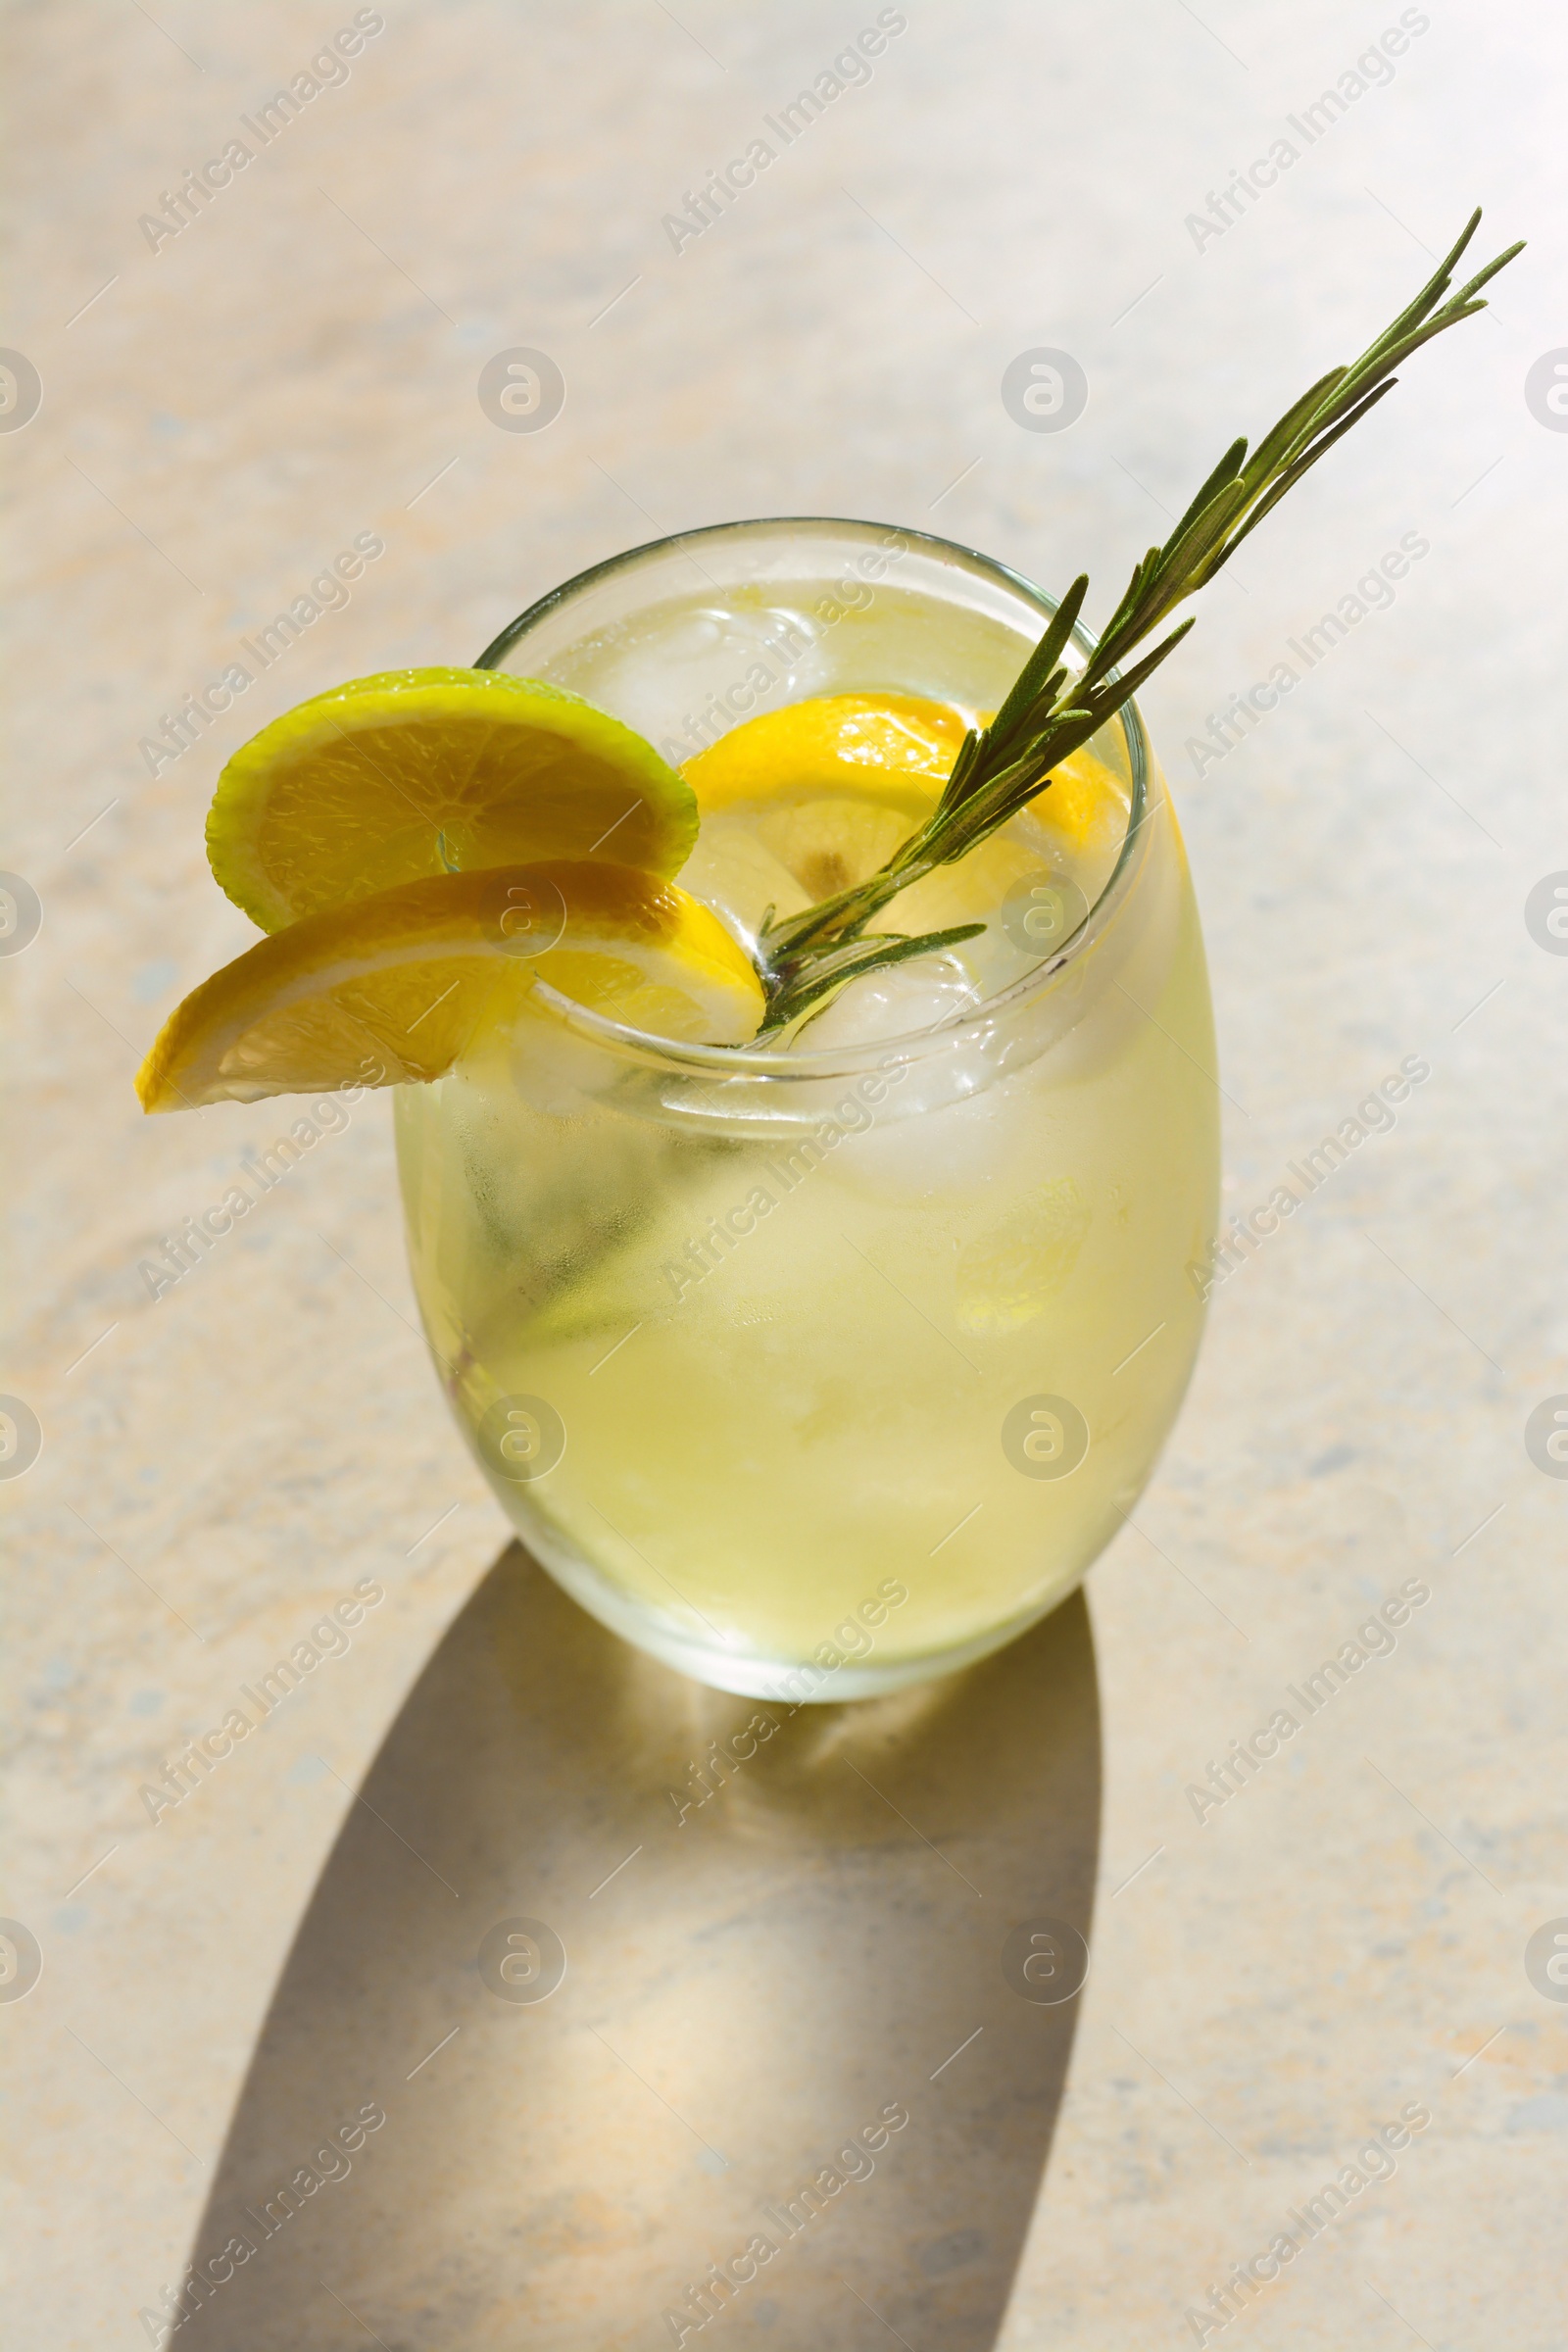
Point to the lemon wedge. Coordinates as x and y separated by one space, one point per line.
414 772
398 985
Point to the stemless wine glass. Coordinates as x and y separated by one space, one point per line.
822 1370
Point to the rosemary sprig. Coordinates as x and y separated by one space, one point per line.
1053 707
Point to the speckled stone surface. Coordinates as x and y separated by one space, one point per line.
226 408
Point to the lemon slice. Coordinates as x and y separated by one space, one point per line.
900 746
398 985
1086 803
829 787
846 777
418 772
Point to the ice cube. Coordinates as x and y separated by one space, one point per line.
900 1000
682 677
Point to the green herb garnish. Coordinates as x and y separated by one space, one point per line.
1052 709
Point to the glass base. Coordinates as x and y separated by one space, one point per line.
791 1682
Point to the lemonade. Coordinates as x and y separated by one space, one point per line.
783 948
817 1370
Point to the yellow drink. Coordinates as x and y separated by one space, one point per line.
820 1370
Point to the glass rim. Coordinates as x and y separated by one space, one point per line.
836 1062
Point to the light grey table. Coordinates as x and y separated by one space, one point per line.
227 403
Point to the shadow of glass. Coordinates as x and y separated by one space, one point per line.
798 2080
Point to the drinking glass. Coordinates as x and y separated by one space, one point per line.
822 1369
